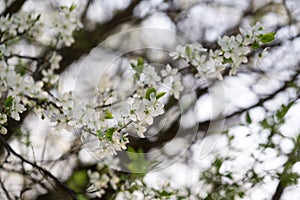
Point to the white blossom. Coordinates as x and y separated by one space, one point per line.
54 60
3 130
169 71
149 75
172 80
3 118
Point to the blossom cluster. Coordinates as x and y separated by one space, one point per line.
18 88
48 74
232 53
106 121
139 190
18 24
101 179
104 177
16 92
110 124
66 23
109 117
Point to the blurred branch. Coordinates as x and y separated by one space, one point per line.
288 12
14 7
86 40
292 159
83 16
5 190
65 189
171 132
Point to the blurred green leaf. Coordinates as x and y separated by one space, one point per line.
72 7
248 118
255 46
267 37
9 101
138 164
280 114
140 62
109 133
108 115
78 181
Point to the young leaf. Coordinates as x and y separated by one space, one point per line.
138 68
267 37
283 110
188 51
255 46
160 94
109 133
72 7
248 118
264 123
140 61
148 93
99 134
108 115
9 101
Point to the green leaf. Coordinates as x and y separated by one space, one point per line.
255 45
138 68
188 51
109 133
218 162
267 37
38 17
148 93
280 114
82 197
248 118
140 61
227 60
138 163
78 181
9 101
241 194
264 123
131 153
21 69
63 7
99 134
160 94
72 7
108 115
289 178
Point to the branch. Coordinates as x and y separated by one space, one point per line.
287 165
5 190
39 168
173 130
86 40
14 7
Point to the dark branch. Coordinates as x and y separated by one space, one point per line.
86 40
45 172
171 132
5 190
14 7
292 159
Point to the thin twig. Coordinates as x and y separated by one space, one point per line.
41 169
5 190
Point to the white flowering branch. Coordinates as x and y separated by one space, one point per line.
232 53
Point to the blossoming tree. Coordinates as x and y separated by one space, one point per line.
63 143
